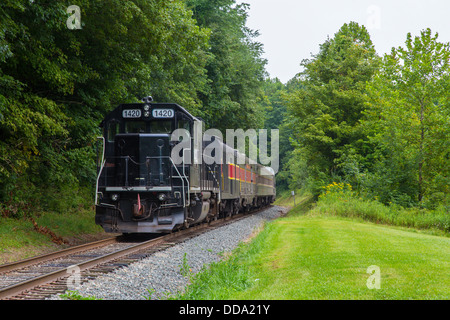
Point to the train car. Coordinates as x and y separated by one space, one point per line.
141 188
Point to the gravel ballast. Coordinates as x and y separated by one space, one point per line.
160 273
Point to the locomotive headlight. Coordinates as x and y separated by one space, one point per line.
162 197
146 107
114 197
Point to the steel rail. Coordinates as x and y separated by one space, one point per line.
18 288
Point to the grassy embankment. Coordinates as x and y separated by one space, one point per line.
20 239
319 254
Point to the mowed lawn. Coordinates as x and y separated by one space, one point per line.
326 257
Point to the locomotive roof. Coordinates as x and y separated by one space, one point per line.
117 112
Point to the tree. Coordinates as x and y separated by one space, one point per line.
409 117
327 109
276 113
235 68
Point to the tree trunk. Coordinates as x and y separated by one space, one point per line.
421 157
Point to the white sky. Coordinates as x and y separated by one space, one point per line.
293 29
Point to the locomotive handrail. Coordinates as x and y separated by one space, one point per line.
182 181
103 161
187 180
181 175
129 159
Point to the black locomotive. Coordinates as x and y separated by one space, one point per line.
148 184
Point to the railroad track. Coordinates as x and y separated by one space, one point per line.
40 277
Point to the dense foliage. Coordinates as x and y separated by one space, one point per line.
379 124
235 69
57 83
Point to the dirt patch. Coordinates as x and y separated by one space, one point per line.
46 231
85 238
254 233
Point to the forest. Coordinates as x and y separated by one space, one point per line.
376 126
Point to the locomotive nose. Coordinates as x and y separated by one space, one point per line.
142 160
155 151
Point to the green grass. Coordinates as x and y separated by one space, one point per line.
285 199
19 240
70 224
16 234
326 257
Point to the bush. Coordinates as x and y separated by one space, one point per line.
340 199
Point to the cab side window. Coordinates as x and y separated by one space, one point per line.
184 124
113 129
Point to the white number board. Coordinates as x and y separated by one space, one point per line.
132 113
163 113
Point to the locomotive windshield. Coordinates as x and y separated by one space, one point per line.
164 126
135 127
142 119
158 126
